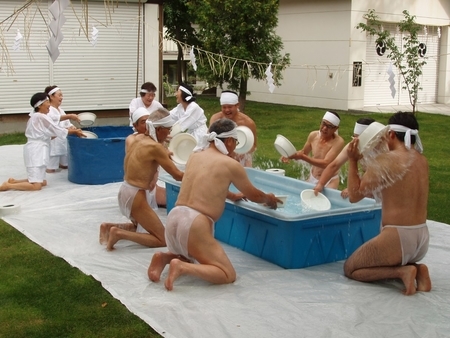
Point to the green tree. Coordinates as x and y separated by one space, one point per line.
178 23
239 41
406 58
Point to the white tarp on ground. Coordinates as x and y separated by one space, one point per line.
265 300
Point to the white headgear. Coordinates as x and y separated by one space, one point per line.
408 132
187 91
164 122
206 139
228 98
332 118
359 128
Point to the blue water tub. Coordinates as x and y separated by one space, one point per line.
292 237
98 160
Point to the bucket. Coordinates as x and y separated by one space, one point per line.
276 171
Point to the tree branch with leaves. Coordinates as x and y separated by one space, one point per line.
405 58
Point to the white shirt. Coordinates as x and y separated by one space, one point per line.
138 103
40 129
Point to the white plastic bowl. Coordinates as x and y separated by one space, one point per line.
283 198
313 202
245 138
284 146
181 145
89 134
87 119
370 137
176 129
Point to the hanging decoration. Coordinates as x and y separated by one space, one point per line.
17 41
269 78
192 58
56 36
94 36
391 80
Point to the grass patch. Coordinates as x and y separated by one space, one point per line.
43 296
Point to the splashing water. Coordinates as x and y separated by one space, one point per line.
386 167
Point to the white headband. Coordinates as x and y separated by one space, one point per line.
164 122
53 91
228 98
206 139
183 89
333 119
138 113
39 103
408 132
359 128
146 91
36 105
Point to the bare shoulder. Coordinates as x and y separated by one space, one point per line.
215 117
246 120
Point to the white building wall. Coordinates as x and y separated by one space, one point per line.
322 40
443 95
104 77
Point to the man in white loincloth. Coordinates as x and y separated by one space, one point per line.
141 162
193 250
400 177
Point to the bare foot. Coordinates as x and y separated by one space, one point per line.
408 277
175 271
12 180
4 186
423 278
104 232
105 228
156 266
113 238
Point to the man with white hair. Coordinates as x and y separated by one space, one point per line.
142 159
201 201
325 145
400 177
229 101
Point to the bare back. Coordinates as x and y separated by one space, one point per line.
142 159
404 202
207 179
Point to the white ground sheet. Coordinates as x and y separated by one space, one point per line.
265 300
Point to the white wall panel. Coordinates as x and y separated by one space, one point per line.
97 77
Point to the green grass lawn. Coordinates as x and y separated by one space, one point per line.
43 296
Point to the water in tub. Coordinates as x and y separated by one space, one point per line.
293 205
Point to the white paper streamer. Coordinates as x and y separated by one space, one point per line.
94 36
192 57
269 75
17 41
391 80
56 9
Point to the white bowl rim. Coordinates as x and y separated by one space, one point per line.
89 133
245 147
281 148
321 197
371 136
87 118
175 141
